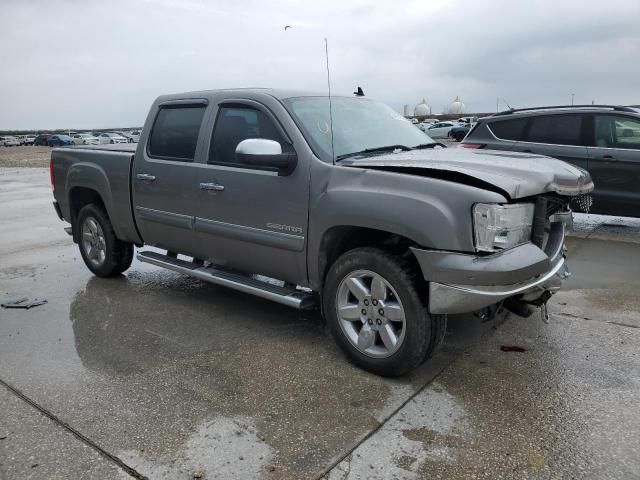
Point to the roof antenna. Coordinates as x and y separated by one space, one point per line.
326 55
359 92
507 104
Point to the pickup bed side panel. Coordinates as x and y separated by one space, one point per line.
432 213
105 172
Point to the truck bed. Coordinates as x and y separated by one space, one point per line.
105 169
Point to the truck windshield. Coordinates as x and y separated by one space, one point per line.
358 124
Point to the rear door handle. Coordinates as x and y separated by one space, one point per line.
216 187
145 177
610 158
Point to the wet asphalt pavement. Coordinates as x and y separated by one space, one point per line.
157 375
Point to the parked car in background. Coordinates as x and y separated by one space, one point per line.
29 139
9 141
85 139
603 139
41 140
469 121
439 129
110 137
423 125
59 140
134 135
459 132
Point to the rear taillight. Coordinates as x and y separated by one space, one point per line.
52 175
472 145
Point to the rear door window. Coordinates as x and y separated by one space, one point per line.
174 135
617 131
509 129
556 130
235 124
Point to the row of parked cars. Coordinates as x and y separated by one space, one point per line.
456 129
74 138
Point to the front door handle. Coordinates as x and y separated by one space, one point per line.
145 177
609 158
527 151
216 187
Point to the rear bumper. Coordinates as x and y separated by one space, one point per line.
460 283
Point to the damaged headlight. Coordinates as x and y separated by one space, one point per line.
498 227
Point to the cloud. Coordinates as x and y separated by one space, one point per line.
97 64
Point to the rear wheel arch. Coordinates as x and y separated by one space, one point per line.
78 198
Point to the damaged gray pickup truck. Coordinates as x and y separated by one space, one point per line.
341 203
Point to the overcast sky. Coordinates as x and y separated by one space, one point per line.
86 64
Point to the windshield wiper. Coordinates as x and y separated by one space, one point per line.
386 148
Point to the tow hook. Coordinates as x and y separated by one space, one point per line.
541 302
522 308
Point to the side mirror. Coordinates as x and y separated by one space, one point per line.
261 152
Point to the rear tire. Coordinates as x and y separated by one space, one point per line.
351 319
459 136
102 252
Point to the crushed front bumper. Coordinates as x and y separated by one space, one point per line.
461 283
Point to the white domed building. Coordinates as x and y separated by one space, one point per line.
456 107
422 109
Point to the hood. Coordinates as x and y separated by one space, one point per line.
516 174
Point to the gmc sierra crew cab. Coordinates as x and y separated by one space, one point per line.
335 201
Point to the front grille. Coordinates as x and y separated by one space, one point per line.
540 216
546 206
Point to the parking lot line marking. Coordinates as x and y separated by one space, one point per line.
131 471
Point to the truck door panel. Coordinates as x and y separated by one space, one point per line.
256 220
164 178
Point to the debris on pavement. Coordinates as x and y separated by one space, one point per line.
23 303
512 348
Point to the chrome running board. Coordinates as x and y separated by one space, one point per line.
284 295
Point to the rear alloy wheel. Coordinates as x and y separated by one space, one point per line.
375 308
103 253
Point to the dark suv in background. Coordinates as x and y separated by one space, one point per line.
603 139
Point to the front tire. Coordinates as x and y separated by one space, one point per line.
459 136
375 307
102 252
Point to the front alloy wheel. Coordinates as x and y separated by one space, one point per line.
370 313
375 306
